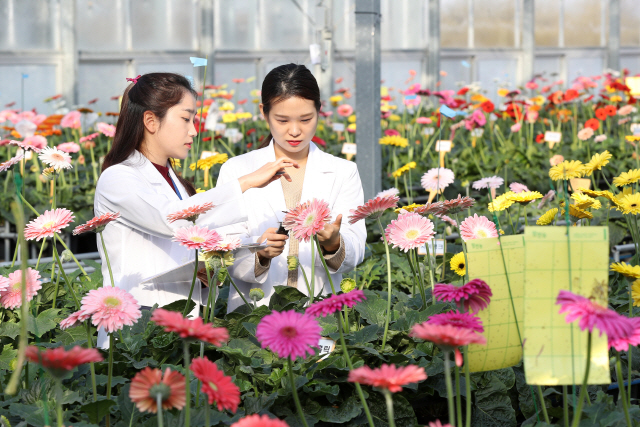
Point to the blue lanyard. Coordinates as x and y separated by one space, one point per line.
175 187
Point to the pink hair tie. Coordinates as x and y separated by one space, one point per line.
134 80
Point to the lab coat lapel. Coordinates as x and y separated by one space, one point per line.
153 176
319 176
274 193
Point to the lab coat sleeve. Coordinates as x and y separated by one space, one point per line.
353 236
121 189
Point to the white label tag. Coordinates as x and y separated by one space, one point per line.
211 121
327 345
349 148
554 137
635 128
220 127
429 131
444 146
206 154
477 133
28 155
338 127
231 132
435 248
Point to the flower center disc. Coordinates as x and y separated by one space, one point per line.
48 224
289 332
309 220
112 301
57 157
412 234
481 233
197 239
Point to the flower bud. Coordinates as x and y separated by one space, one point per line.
66 256
256 294
347 285
222 275
292 262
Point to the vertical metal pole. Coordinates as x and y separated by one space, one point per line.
206 32
326 47
369 158
613 45
69 58
528 40
433 45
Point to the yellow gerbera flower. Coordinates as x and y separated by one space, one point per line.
394 140
597 162
629 204
583 201
394 117
501 202
335 99
210 161
576 212
635 293
566 170
627 178
457 264
632 138
409 208
227 106
595 193
175 162
548 217
398 173
627 270
229 118
524 197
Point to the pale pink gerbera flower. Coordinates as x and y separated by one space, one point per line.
453 206
110 308
11 296
190 214
475 295
106 129
633 339
626 110
477 227
592 315
388 193
585 134
307 219
96 224
389 377
55 158
71 120
516 187
195 237
437 179
600 138
229 243
460 320
89 137
409 231
374 208
448 220
74 319
289 334
48 223
335 303
12 161
68 147
489 182
35 143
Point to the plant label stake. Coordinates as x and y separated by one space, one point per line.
552 138
349 149
443 147
326 345
580 183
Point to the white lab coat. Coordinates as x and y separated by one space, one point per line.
139 243
328 178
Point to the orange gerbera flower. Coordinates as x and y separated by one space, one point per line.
611 110
592 123
148 383
570 95
601 114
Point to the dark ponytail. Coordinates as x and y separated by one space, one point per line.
288 81
155 92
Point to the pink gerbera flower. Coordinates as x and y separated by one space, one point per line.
256 420
35 143
229 243
460 320
335 303
68 147
71 120
345 110
190 214
437 179
74 320
48 223
289 334
622 343
438 423
12 161
592 315
106 129
458 204
11 287
409 231
476 294
435 208
489 182
96 224
374 208
89 137
189 329
477 227
111 308
195 237
388 193
306 219
516 187
448 220
389 377
447 337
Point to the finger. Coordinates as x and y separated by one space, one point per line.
338 221
290 162
277 237
287 177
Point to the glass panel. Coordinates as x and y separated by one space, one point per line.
456 71
583 67
582 22
284 26
548 68
497 73
454 23
547 22
394 75
632 63
100 25
225 71
26 24
403 25
164 24
236 24
344 24
101 80
40 84
629 23
494 24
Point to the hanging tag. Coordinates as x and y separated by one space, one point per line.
220 127
349 148
428 131
443 146
231 132
436 247
327 345
552 138
338 127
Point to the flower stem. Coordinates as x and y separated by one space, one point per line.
187 406
565 406
389 400
313 269
388 316
106 256
467 385
91 365
458 396
583 389
447 378
40 254
543 406
64 245
622 395
296 399
239 293
159 403
110 373
324 264
64 276
193 285
58 388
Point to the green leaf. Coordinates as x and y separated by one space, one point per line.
96 411
9 329
125 405
102 380
8 354
349 409
402 411
492 402
180 305
134 344
366 334
253 405
71 335
372 309
46 321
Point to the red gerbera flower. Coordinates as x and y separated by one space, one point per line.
58 362
216 384
389 377
190 214
148 383
601 114
592 123
611 110
96 224
487 106
540 138
256 420
570 95
194 329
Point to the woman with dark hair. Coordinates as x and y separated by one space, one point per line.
156 124
290 105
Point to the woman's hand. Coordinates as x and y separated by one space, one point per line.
267 174
277 242
329 236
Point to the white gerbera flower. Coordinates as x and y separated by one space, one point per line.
55 158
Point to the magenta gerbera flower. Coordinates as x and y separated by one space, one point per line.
11 288
622 343
335 303
110 308
289 334
437 179
592 315
460 320
477 227
96 224
476 294
48 223
374 208
306 219
196 237
12 161
489 182
409 231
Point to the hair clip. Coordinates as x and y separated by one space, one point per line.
134 80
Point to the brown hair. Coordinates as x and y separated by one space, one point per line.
288 81
155 92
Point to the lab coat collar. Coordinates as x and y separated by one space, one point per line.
139 161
